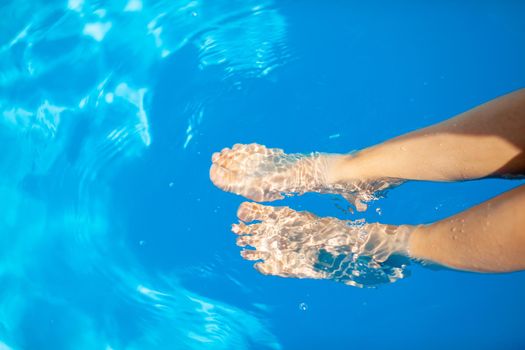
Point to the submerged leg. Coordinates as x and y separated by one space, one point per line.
267 174
302 245
489 237
487 141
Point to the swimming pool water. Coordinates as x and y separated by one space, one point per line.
112 235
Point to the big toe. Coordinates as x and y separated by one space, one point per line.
221 177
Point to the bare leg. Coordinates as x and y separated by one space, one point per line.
267 174
487 238
486 141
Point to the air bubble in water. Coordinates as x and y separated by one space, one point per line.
303 306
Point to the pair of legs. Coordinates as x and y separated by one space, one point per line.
487 141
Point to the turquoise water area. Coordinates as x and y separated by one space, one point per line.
112 235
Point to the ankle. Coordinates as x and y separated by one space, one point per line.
339 168
382 241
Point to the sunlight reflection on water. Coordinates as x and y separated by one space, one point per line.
75 91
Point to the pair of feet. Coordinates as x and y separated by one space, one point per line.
288 243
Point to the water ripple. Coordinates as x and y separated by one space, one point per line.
76 85
264 30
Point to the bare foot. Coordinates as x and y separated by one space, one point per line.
302 245
267 174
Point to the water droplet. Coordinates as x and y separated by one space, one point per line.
378 211
303 306
171 184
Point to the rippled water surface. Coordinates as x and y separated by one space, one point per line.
112 235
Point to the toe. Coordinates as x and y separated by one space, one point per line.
276 151
255 148
264 268
224 157
214 176
213 173
253 255
243 241
249 211
242 229
239 229
220 176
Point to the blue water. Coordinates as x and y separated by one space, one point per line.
112 235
